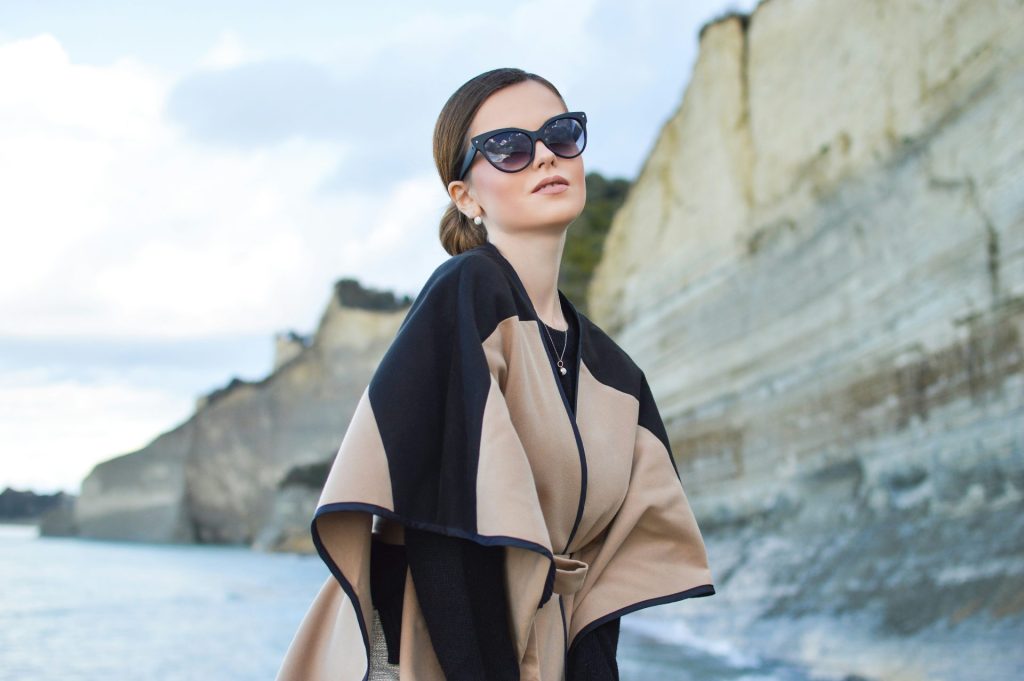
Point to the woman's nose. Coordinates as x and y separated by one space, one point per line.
542 153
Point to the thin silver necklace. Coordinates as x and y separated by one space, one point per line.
565 344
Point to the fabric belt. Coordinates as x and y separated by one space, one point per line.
569 574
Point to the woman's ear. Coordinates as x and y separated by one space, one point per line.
459 193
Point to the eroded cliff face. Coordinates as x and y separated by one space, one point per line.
821 270
215 478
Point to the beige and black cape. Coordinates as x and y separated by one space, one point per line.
465 429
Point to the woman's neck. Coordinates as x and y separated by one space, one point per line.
536 259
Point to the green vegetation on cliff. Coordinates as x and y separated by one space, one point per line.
584 243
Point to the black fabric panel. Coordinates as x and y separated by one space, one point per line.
612 366
650 418
460 585
607 361
593 658
429 390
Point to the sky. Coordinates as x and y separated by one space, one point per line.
179 182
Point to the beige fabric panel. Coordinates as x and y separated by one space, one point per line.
544 659
328 645
507 505
520 364
507 501
607 420
346 535
653 548
525 575
360 471
333 647
550 640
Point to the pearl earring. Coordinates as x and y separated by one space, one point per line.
478 220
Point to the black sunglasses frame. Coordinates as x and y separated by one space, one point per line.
476 144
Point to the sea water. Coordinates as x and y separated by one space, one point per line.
89 610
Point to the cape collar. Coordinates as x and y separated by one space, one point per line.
492 250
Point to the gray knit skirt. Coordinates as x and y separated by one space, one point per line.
380 669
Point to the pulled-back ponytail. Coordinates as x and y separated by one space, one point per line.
458 232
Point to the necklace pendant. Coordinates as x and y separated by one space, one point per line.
563 370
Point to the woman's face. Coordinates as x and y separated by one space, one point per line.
506 201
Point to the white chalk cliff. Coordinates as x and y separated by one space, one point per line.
215 478
821 269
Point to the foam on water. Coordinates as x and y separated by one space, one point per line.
680 633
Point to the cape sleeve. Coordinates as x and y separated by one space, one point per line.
461 588
431 446
652 551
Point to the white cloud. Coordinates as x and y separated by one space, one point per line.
58 122
121 226
117 225
227 52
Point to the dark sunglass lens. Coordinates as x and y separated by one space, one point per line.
508 151
565 137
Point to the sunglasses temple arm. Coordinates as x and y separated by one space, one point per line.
467 161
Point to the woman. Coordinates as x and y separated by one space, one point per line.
505 490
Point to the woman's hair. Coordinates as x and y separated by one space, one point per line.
459 233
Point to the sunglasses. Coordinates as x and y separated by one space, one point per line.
511 149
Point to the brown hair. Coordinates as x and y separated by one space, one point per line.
459 233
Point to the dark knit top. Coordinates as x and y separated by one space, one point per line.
461 589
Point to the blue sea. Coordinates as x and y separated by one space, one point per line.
74 609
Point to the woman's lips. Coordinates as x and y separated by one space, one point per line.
549 180
556 188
